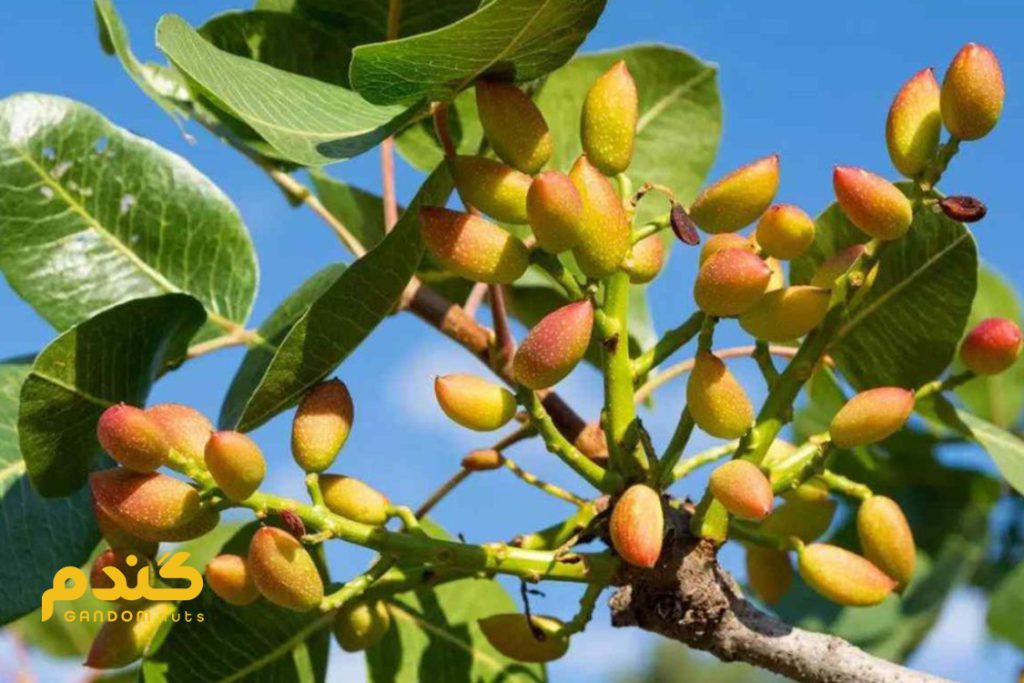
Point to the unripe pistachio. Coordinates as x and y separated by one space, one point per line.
154 507
185 428
236 463
354 499
608 120
605 236
914 124
843 577
871 416
737 199
805 519
554 346
360 624
473 402
726 240
742 489
717 402
514 636
972 92
769 573
118 538
230 578
835 265
472 247
886 539
127 562
555 211
132 438
731 282
637 526
483 460
321 425
492 187
785 231
514 126
991 347
283 570
121 641
787 313
645 259
872 203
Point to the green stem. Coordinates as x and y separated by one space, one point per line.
313 486
557 535
357 586
801 464
838 482
748 533
938 386
652 228
586 612
548 488
624 452
703 458
674 450
763 356
558 273
671 342
933 173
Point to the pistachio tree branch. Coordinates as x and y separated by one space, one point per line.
844 485
669 343
358 585
546 487
703 458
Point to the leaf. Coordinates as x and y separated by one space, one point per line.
506 39
1005 449
366 21
418 142
114 356
27 565
274 329
92 216
1005 607
346 313
362 212
307 121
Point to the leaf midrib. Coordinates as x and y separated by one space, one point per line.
402 613
662 104
283 649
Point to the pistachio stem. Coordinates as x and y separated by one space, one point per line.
674 449
313 487
669 343
358 585
933 173
652 228
763 356
703 458
550 489
557 535
588 602
554 269
838 482
620 411
748 533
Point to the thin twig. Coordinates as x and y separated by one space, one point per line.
221 342
442 491
503 341
475 298
548 488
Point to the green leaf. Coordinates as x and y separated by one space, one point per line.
346 313
26 565
114 356
1006 606
362 212
307 121
1005 449
273 330
366 21
92 216
507 39
418 142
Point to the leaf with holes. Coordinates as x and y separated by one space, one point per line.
92 215
115 356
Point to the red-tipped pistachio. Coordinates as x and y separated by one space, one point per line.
472 247
871 416
972 92
230 578
354 499
785 314
608 121
769 573
843 577
119 538
872 203
731 282
185 428
914 124
637 526
473 402
153 507
605 236
554 346
555 212
283 570
361 624
741 487
513 125
991 347
737 199
804 519
121 641
236 463
132 438
717 402
726 240
886 539
785 231
321 425
645 260
835 265
516 637
483 460
492 187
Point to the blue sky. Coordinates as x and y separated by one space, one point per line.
809 80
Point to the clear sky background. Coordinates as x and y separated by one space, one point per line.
809 80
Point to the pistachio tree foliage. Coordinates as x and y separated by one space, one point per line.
877 335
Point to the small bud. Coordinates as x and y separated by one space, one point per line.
991 347
321 425
230 578
843 577
717 402
972 93
483 460
741 487
914 124
474 403
871 416
730 283
963 208
872 203
472 247
132 438
835 265
514 126
726 240
739 198
605 237
492 187
537 640
185 428
555 210
683 226
886 539
769 573
283 570
121 641
785 231
637 526
360 624
786 314
126 562
805 519
608 121
292 523
154 507
236 463
645 260
118 538
354 499
554 346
